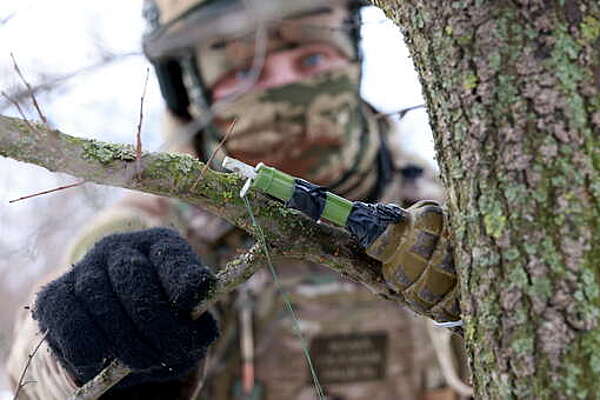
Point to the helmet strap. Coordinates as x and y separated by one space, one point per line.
199 97
198 93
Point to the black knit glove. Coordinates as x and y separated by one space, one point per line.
130 298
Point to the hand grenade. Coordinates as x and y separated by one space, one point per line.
411 243
418 263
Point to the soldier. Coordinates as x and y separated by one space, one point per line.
287 74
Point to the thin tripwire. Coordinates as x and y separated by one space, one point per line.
286 299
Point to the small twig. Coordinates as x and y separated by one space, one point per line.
50 82
215 151
220 145
20 110
47 191
21 383
29 89
235 272
107 378
138 139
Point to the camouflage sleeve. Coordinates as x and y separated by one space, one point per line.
45 378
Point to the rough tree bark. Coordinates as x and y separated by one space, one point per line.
513 91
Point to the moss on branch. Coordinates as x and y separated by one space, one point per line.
183 177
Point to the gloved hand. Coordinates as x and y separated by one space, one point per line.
130 298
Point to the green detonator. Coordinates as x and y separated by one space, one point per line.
412 244
274 182
282 186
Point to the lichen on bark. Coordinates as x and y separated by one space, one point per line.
513 92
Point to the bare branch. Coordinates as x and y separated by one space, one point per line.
234 274
29 90
174 175
221 144
138 139
48 191
19 109
107 378
50 82
216 150
21 382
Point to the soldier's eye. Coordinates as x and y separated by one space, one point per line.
313 60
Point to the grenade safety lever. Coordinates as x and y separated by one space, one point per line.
412 244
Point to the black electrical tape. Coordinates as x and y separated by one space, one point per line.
308 198
367 222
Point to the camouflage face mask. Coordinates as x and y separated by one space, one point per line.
314 129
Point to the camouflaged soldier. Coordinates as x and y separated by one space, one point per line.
288 74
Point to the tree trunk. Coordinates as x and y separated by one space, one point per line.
513 91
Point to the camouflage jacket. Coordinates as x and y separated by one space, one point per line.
362 347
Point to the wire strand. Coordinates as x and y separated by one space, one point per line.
287 302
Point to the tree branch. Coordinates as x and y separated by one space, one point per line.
107 378
289 233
